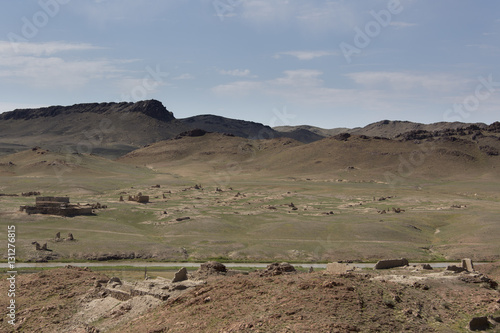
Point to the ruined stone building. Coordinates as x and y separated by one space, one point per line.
56 206
139 198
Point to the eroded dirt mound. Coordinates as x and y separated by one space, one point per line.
322 303
210 268
404 299
278 269
46 301
492 270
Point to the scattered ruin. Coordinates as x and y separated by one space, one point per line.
40 248
338 268
56 206
159 288
30 193
139 198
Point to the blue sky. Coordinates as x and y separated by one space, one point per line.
278 62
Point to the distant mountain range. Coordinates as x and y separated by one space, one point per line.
115 129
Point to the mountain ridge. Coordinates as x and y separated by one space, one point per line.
152 108
115 129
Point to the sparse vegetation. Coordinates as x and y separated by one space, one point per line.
427 195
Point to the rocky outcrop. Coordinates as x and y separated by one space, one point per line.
192 133
152 108
159 288
342 136
180 275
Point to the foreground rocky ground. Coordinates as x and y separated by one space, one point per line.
278 299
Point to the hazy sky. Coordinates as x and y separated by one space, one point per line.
278 62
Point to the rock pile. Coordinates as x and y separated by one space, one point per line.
213 268
278 269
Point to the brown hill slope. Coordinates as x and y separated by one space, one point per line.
385 128
322 132
364 158
38 162
209 153
342 156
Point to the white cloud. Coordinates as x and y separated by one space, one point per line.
400 24
36 64
291 79
101 13
185 76
42 49
408 81
237 88
383 92
486 47
311 16
260 11
55 72
298 78
306 55
236 72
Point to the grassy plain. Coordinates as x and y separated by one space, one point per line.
252 218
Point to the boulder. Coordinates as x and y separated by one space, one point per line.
391 263
213 266
114 282
424 266
278 268
479 324
210 268
181 275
